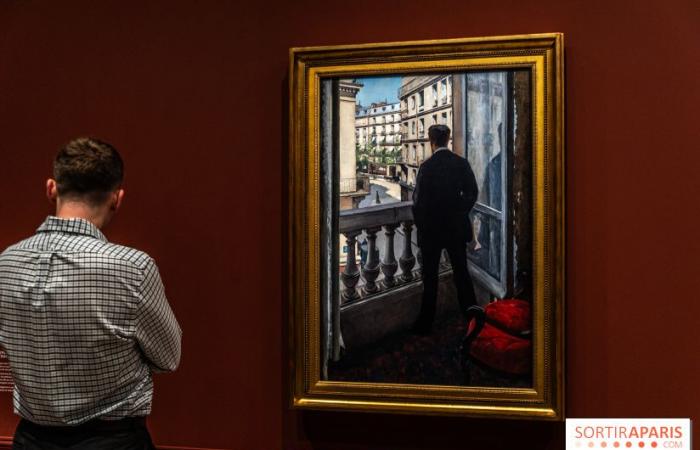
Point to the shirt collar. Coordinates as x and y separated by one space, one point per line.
75 225
441 148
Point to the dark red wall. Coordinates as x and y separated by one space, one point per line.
194 95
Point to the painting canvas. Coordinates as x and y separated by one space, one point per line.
383 141
429 227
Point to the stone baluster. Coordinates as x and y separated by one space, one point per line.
389 264
351 273
407 260
370 271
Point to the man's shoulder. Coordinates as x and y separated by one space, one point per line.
459 159
442 158
432 161
130 255
16 246
87 245
458 162
28 244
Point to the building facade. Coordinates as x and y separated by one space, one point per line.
378 136
424 101
353 186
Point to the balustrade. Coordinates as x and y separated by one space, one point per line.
389 264
370 270
351 273
367 222
407 260
386 230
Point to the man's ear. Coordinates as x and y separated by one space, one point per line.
118 198
51 190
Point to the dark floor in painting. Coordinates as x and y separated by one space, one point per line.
407 358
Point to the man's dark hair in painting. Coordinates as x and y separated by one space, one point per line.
439 134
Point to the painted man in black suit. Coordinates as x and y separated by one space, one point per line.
445 192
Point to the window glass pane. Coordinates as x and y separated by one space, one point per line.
485 250
486 133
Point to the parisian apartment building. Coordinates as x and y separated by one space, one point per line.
378 126
424 101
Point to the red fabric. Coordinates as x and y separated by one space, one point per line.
511 315
502 351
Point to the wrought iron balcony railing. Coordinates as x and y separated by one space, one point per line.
357 184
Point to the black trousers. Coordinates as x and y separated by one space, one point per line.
125 434
431 252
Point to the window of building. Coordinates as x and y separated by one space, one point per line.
444 118
443 91
421 127
421 155
435 94
434 119
412 102
421 99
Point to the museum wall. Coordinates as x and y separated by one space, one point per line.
194 94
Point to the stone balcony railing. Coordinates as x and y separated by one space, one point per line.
383 295
382 271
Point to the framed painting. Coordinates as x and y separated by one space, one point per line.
426 227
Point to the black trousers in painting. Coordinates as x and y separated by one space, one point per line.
431 252
125 434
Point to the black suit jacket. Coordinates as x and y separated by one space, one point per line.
444 195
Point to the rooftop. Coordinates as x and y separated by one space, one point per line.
376 109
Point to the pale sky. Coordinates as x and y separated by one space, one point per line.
378 89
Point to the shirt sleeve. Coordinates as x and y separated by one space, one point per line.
157 331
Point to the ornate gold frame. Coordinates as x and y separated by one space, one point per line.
542 54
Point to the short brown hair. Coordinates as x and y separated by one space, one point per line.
439 135
88 169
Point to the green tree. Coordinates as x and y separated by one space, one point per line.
363 156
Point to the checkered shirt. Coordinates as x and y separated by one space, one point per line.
84 323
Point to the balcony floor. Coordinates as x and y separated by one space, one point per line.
411 359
